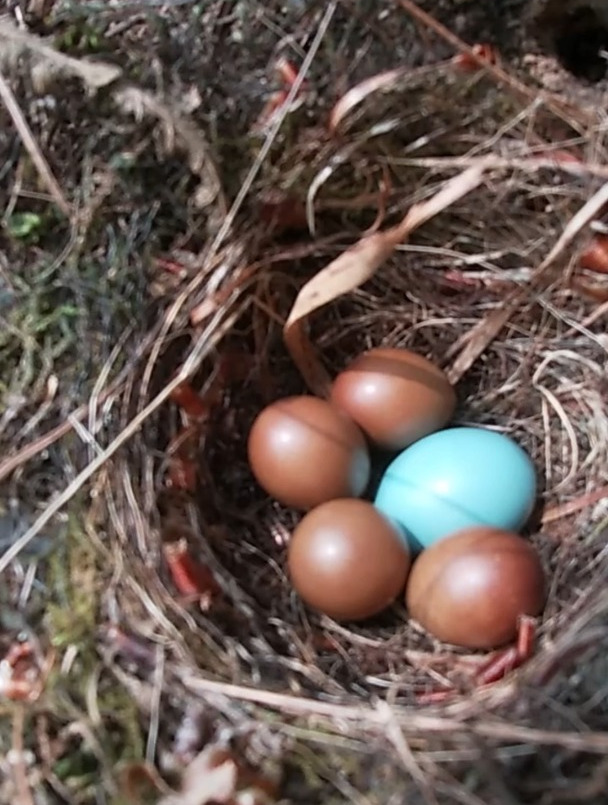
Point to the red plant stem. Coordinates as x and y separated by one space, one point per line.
190 402
498 666
190 576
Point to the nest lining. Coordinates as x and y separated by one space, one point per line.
541 382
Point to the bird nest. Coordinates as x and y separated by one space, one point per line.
489 288
443 209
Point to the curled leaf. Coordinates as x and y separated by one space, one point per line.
354 267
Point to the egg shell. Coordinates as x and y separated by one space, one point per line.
458 478
471 588
303 451
395 396
347 560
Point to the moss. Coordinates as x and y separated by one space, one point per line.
81 38
75 582
86 694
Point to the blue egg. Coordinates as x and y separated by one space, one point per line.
458 478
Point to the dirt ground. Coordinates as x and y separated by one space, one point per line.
156 195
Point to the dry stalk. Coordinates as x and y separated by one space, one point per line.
356 266
32 147
411 721
474 343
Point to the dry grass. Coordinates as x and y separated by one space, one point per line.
167 183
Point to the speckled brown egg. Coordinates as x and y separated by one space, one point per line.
303 452
395 396
348 560
470 588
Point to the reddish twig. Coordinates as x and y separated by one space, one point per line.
574 506
464 62
192 578
497 666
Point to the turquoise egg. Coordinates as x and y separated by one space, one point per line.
454 479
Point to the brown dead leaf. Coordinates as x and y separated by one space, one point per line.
353 268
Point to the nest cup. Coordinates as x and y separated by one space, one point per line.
540 380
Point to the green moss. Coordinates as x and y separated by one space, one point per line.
74 582
81 38
87 693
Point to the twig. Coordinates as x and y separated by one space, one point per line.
587 213
574 506
534 163
157 691
201 349
395 735
9 465
32 148
410 720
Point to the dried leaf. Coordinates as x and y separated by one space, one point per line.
206 780
179 131
354 267
51 62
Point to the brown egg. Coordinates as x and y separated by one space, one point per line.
348 560
470 588
395 396
303 451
